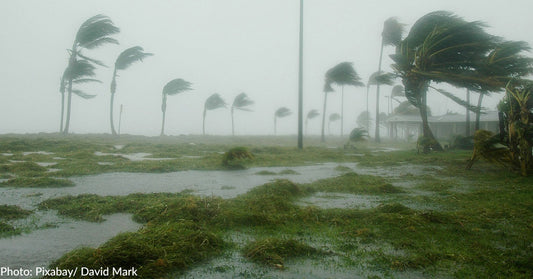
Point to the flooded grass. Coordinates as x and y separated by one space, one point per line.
36 182
426 216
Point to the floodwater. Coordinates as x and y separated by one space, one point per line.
60 235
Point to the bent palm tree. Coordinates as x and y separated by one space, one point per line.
343 74
377 78
211 103
124 60
390 36
281 112
327 89
241 102
173 87
442 47
94 32
333 117
310 115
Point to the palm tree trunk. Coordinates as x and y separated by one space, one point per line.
69 102
306 120
164 110
275 125
232 124
478 112
323 137
203 122
425 125
377 139
342 110
467 124
300 77
367 111
113 89
119 119
62 111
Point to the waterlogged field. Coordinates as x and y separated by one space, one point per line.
168 208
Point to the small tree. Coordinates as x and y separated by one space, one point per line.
241 102
332 118
280 113
310 115
211 103
173 87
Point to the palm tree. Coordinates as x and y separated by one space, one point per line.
381 78
327 89
343 74
364 119
281 112
124 60
310 115
505 63
377 78
212 102
173 87
333 117
442 47
241 102
94 32
391 35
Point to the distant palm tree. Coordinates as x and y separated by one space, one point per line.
343 74
280 113
378 78
211 103
124 60
333 117
391 35
173 87
79 72
327 89
241 102
397 91
310 115
94 32
442 47
364 119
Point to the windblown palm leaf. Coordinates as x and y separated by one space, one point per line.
130 56
334 117
398 91
214 102
79 70
392 32
82 94
176 86
96 31
343 74
312 114
241 101
283 112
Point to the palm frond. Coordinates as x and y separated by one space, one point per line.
241 101
79 69
92 60
83 94
381 78
392 32
176 86
327 87
312 114
130 56
343 74
85 80
457 100
214 102
282 112
398 91
95 31
334 117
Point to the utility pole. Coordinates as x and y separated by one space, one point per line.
300 79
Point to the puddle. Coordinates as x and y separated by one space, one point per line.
133 157
7 154
46 164
37 152
105 163
341 200
119 146
41 247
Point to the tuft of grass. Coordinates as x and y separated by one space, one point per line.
12 212
8 230
22 167
288 171
265 172
237 157
274 251
355 183
34 182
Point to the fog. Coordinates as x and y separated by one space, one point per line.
220 46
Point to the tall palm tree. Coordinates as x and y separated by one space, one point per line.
505 62
377 78
343 74
364 119
94 32
381 78
442 47
241 102
124 61
327 89
211 103
173 87
333 117
390 36
280 113
310 115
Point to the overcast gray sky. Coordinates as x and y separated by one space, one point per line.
222 46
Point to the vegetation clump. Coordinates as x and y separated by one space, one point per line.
12 212
237 157
34 182
274 251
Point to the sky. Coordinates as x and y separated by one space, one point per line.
220 46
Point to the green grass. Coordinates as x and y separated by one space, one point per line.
12 212
274 251
37 182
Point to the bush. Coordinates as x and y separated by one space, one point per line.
237 157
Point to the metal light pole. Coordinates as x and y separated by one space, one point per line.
300 79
